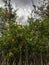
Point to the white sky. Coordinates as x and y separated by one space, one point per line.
24 7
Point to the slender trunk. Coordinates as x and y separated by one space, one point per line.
14 63
20 61
7 59
41 59
31 63
2 56
46 62
26 55
34 61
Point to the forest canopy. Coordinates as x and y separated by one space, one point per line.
24 44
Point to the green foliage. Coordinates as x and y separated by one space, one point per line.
30 41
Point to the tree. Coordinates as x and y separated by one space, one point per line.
24 44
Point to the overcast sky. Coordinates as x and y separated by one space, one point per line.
24 6
20 3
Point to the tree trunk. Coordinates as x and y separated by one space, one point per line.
20 61
34 61
26 55
46 62
2 57
41 59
